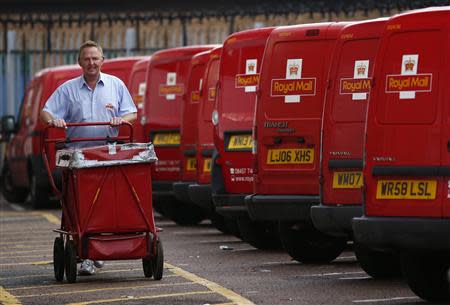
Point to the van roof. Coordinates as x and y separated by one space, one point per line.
120 62
174 54
57 69
245 35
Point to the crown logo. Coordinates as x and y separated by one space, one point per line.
293 69
170 80
361 69
409 64
251 67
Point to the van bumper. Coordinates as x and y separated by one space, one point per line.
180 190
230 205
335 220
403 233
162 188
200 194
280 207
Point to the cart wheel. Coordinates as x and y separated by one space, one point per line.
157 261
71 262
58 258
147 266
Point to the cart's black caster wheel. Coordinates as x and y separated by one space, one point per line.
147 266
58 258
70 262
157 261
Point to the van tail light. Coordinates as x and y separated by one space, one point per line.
255 151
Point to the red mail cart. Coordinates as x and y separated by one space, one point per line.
106 199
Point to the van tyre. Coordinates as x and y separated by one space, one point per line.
261 235
184 213
377 264
39 195
304 243
10 192
428 275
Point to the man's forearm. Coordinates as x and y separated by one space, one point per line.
130 117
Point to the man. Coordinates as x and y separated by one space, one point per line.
91 97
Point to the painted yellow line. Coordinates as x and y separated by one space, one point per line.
28 251
29 263
152 286
34 241
24 256
227 293
143 298
8 299
50 217
30 247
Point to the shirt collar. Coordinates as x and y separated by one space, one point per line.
83 81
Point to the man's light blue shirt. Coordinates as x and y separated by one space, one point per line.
75 102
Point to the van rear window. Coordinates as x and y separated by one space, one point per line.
408 84
353 80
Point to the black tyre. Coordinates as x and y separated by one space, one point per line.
184 213
261 235
157 261
304 243
58 259
70 261
427 275
218 221
232 227
377 264
147 267
39 193
11 193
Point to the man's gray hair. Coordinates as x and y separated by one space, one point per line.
89 44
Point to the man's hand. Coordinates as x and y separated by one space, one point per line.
60 123
116 121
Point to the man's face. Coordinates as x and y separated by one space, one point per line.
91 60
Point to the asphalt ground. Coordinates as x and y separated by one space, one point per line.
202 266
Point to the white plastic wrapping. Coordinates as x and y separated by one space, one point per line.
74 158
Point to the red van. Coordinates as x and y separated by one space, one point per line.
232 172
407 159
136 86
167 73
189 125
286 133
23 171
200 192
342 140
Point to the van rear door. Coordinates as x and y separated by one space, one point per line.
406 147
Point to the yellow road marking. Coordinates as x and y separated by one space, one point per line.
29 263
34 241
29 251
103 289
7 298
23 256
50 217
227 293
144 297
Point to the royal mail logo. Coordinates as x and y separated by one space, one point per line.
195 96
361 69
404 83
409 81
252 67
293 70
171 90
244 80
354 85
211 94
296 87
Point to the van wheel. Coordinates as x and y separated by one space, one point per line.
184 213
232 227
377 264
428 275
261 235
304 243
12 194
39 195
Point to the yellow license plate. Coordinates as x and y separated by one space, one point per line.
191 164
406 189
207 165
240 142
347 180
290 156
166 139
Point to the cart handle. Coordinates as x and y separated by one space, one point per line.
45 141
